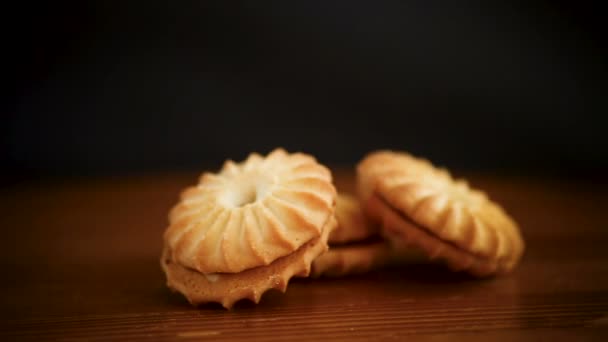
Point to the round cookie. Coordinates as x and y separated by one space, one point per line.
246 217
250 214
228 288
444 217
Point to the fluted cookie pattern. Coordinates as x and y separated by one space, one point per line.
446 208
250 213
386 163
408 235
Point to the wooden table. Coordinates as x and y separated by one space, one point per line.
80 261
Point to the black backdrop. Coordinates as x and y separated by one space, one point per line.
111 87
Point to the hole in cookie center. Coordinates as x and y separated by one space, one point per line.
244 191
247 196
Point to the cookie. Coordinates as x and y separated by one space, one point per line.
247 217
251 284
250 214
440 215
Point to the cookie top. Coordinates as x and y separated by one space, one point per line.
250 213
447 208
385 163
228 288
353 225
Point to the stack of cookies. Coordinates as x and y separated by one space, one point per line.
254 225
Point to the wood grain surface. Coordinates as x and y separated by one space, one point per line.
80 262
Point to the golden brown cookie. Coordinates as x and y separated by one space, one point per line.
228 288
442 216
250 214
246 217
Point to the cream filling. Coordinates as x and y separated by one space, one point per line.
426 231
212 277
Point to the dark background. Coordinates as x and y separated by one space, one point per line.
112 88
